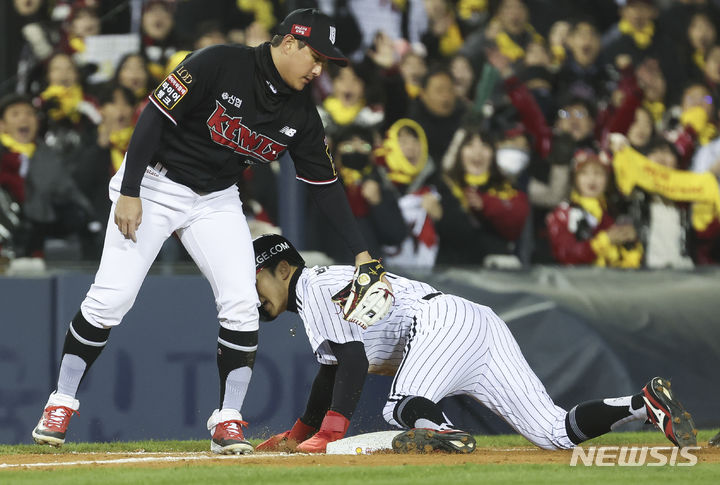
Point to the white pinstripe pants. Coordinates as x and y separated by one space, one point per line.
459 347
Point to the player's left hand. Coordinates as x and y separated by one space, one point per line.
368 297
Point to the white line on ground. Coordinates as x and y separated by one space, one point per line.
144 459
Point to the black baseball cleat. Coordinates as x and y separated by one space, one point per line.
715 440
666 412
424 440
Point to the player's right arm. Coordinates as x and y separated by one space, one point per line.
179 93
143 144
335 392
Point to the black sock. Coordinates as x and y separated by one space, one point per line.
412 408
594 418
235 350
85 340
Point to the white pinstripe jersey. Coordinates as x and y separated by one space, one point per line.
384 342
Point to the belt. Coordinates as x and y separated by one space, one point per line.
158 167
430 296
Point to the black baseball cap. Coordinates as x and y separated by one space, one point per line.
271 247
316 29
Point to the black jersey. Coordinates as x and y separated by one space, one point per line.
230 108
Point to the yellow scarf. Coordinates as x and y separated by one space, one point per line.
699 58
27 149
77 44
643 38
412 90
559 54
593 205
477 180
509 48
697 118
400 170
466 8
119 141
656 109
341 114
68 100
451 41
506 192
634 169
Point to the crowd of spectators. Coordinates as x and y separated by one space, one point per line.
508 132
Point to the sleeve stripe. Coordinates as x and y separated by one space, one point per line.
316 182
162 110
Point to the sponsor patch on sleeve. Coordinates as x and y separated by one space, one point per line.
170 92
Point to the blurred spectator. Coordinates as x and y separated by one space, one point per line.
550 178
482 213
413 69
700 36
404 155
464 76
510 29
663 225
398 19
33 173
209 33
644 87
558 40
635 171
581 74
372 197
582 231
71 114
38 41
642 129
538 75
158 40
82 22
443 38
698 111
132 73
634 37
437 110
347 104
711 71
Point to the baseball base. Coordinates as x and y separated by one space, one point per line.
363 444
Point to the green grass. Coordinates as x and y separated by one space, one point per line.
506 441
190 473
394 475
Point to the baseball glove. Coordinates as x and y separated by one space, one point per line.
366 299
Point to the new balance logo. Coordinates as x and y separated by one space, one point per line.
286 130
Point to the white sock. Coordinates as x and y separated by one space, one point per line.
236 386
72 368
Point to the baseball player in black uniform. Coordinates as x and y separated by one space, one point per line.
222 109
435 345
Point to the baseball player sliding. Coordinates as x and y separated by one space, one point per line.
436 345
222 109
